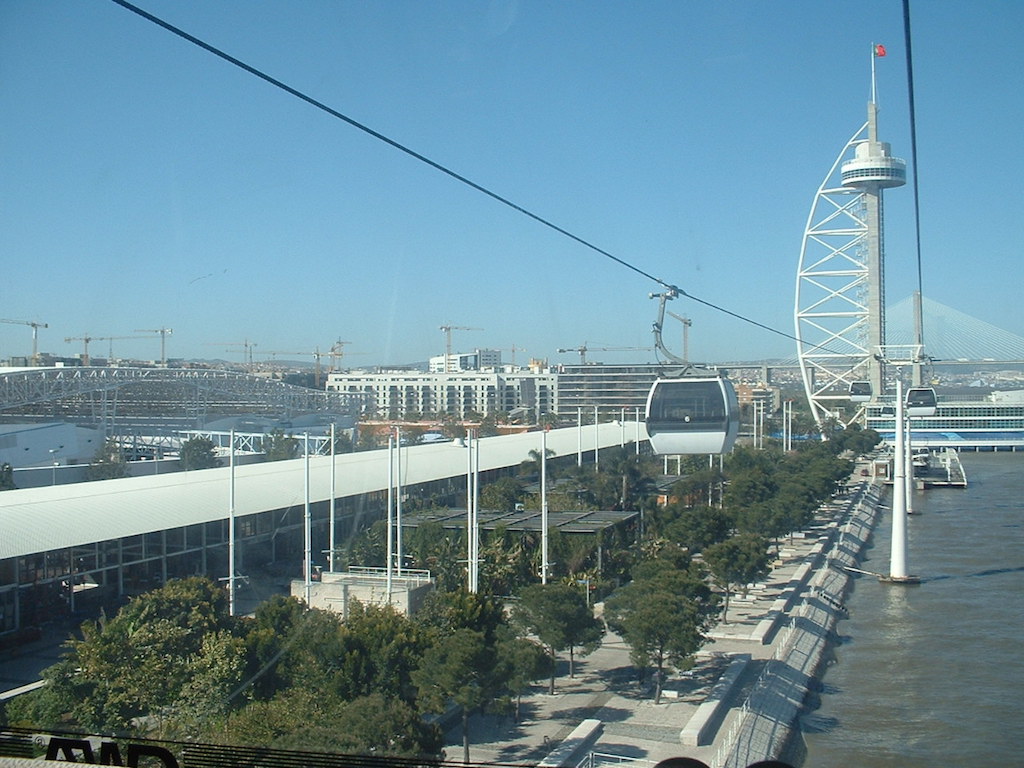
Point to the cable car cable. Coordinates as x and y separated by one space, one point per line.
439 167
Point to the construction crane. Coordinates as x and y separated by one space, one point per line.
513 349
448 342
275 352
247 347
85 345
110 341
583 349
164 333
687 322
35 335
336 352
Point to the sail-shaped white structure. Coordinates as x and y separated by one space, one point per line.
840 291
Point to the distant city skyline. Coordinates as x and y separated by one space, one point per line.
148 184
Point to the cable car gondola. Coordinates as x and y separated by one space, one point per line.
860 391
921 402
692 414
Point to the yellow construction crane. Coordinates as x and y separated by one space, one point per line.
35 335
583 349
85 345
448 342
337 352
687 322
513 349
164 333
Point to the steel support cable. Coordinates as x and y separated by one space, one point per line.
913 141
436 165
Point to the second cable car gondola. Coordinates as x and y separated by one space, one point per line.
692 414
921 401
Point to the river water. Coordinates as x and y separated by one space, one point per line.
933 675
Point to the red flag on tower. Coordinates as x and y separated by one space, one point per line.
879 50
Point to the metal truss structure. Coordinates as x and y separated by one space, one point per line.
831 292
193 392
839 310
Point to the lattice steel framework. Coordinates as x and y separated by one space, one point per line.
839 310
19 389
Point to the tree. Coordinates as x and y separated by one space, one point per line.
739 560
444 612
108 462
279 447
437 550
138 663
526 661
198 453
507 560
391 644
501 495
561 619
530 467
215 672
7 477
369 548
301 719
663 620
461 668
698 527
343 443
267 635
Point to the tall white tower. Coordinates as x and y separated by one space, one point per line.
840 291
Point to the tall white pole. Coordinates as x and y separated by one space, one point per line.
308 524
898 557
579 437
390 550
231 527
908 469
476 513
636 447
469 510
543 506
398 501
597 441
331 543
622 429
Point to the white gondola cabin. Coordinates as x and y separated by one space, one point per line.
860 391
921 401
692 415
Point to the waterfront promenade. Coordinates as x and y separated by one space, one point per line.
774 644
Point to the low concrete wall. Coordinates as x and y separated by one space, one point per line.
771 712
570 750
701 728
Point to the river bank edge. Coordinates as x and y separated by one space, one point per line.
769 725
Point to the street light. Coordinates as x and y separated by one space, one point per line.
56 463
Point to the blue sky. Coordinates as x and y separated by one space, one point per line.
145 183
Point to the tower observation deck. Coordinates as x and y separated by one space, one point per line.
840 295
873 167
